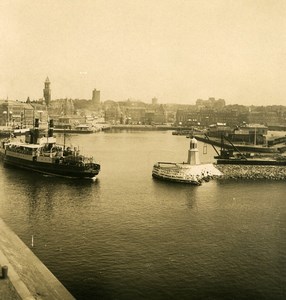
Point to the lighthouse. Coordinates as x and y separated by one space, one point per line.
193 153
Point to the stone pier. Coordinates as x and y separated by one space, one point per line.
28 278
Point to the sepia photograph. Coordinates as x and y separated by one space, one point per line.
142 149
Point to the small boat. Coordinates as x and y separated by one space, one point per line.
44 155
191 172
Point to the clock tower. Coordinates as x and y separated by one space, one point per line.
47 92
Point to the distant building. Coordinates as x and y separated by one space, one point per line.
160 115
135 115
112 112
210 103
62 107
265 117
154 101
47 92
19 114
187 117
96 98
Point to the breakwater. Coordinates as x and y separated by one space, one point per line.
252 172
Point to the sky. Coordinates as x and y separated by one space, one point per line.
175 50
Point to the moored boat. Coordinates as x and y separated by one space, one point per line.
44 155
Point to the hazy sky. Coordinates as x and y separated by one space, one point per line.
175 50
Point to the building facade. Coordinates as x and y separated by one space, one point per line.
16 114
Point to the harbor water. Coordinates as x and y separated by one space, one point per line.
129 236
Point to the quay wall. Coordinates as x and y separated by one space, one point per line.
28 276
146 127
252 172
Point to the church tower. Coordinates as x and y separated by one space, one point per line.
47 92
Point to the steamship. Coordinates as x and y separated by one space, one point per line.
40 153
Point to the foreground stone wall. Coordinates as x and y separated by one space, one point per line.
253 172
27 275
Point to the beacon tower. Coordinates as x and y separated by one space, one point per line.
193 154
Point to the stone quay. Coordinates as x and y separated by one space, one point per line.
253 172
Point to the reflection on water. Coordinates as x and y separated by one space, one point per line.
128 236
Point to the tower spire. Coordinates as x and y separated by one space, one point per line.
47 91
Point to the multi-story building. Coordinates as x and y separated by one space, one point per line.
210 103
20 114
112 112
187 117
266 117
135 115
160 115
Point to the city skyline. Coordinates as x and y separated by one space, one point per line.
177 51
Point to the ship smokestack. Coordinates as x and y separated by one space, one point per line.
193 154
51 128
37 123
36 131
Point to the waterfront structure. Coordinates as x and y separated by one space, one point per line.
47 92
235 164
69 122
192 172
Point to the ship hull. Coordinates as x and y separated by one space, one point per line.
54 169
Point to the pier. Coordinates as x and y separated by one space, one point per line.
26 276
